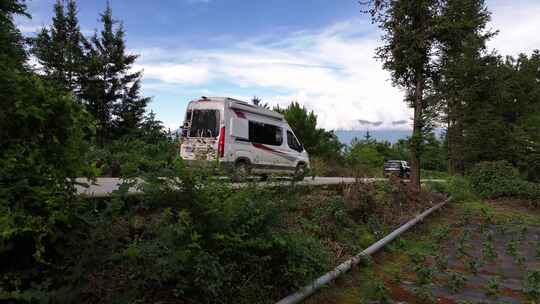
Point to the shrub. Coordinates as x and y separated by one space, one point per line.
44 146
501 179
131 157
201 240
460 189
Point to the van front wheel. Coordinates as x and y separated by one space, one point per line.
300 172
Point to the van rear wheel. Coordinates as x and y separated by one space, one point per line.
241 171
300 172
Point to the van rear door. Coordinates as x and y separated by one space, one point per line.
202 133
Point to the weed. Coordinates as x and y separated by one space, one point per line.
441 262
424 274
416 257
396 277
456 282
531 285
523 231
461 249
487 215
441 233
424 294
493 286
488 250
380 292
466 218
520 260
511 248
474 266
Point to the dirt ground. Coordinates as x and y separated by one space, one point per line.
475 252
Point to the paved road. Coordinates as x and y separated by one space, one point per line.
103 187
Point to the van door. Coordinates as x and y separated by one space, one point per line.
202 131
267 141
294 147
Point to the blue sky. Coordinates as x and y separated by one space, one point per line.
317 52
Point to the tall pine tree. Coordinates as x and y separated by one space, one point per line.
110 89
409 39
59 49
462 40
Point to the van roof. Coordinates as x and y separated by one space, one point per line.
242 105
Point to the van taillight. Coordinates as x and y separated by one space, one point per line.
221 142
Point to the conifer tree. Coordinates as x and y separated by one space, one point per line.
462 40
409 27
130 110
110 89
12 53
59 49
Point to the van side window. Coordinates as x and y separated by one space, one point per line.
293 142
265 133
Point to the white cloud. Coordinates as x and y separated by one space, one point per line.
332 72
191 74
518 23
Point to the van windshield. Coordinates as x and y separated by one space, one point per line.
204 123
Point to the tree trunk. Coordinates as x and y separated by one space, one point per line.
417 132
455 138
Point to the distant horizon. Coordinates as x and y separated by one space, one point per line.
390 135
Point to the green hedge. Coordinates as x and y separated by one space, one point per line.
501 179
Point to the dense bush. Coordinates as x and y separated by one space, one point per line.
130 156
501 179
206 243
44 148
459 188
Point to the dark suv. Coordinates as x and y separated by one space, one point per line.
397 167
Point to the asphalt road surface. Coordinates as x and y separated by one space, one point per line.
103 187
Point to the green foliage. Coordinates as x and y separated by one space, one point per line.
45 148
474 266
12 53
493 287
96 70
407 53
318 142
380 292
364 160
458 188
531 285
42 148
500 179
462 34
59 49
456 282
213 242
133 157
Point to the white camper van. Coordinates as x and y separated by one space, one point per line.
242 137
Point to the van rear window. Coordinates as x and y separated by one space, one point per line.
204 123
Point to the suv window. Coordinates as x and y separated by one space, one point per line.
265 133
392 164
293 142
